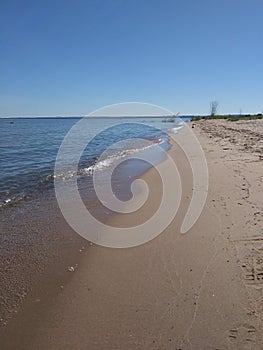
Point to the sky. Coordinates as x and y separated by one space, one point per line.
61 57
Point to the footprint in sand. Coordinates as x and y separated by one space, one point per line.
242 337
254 270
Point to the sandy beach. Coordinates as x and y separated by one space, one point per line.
202 290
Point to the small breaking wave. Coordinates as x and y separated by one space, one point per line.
38 174
47 181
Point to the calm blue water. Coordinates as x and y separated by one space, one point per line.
28 149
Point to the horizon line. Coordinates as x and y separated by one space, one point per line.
121 116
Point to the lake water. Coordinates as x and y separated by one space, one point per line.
29 146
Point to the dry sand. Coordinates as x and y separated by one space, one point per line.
202 290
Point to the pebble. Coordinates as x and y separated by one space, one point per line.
72 268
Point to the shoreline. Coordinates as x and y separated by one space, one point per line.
36 241
187 291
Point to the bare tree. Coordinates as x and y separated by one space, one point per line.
213 108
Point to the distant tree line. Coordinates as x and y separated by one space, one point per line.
232 118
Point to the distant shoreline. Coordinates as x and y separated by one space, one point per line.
97 117
192 117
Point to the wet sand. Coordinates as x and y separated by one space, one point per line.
201 290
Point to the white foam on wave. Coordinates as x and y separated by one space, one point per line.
105 163
176 128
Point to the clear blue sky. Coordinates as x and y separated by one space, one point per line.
60 57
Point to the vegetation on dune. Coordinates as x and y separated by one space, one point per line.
232 118
245 117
